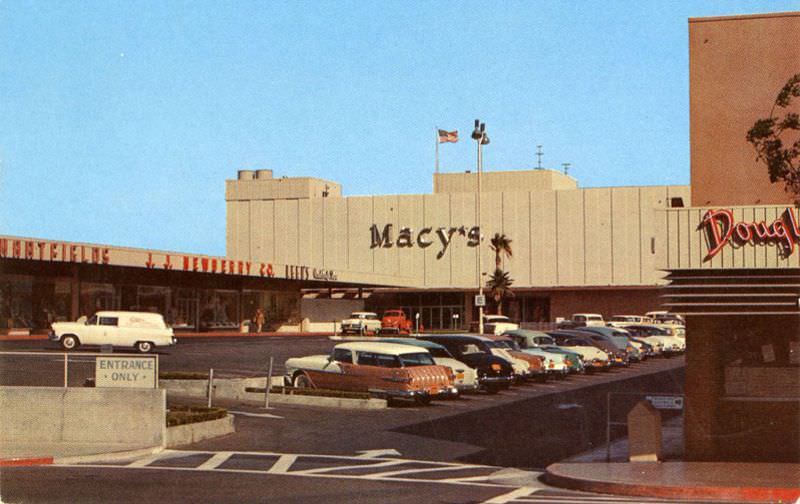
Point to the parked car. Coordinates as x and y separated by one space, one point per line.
620 338
496 324
663 337
466 378
395 321
623 320
593 357
361 323
618 356
494 373
665 317
581 320
537 367
382 369
143 331
533 340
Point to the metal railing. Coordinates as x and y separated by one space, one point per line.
13 367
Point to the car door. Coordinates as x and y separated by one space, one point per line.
108 331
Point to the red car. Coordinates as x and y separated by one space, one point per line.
395 321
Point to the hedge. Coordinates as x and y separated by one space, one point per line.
179 415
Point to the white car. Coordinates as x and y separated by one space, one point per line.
498 324
623 320
588 319
361 323
140 330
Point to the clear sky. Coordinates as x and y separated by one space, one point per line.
122 120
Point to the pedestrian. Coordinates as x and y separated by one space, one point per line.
259 319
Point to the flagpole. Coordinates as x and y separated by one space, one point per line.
436 176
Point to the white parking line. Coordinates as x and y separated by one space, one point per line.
510 496
322 470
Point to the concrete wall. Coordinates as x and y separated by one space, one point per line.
503 181
560 238
83 415
737 66
329 310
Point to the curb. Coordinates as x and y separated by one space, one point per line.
20 462
109 456
555 478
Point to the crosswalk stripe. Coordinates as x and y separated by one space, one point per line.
217 460
283 464
388 474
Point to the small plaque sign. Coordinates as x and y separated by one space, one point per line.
129 372
666 402
480 300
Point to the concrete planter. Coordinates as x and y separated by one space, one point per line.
191 433
235 388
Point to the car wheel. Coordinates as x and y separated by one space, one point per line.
302 381
69 342
424 400
144 346
492 389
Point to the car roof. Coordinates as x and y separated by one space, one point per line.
456 337
411 342
117 313
498 337
378 347
525 332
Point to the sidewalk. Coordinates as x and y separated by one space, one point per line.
674 478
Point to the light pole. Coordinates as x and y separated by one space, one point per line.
481 138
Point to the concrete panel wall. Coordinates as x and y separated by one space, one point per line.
580 237
83 415
597 233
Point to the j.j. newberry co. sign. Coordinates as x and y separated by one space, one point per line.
722 229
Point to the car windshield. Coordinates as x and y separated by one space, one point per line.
393 314
439 352
416 359
92 321
371 316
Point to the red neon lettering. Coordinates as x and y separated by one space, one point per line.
167 262
16 249
106 257
3 247
214 265
95 255
194 264
231 267
29 250
41 246
149 262
248 264
743 231
713 221
53 251
204 263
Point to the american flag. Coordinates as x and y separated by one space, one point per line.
448 136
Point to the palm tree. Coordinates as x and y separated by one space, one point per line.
499 285
501 244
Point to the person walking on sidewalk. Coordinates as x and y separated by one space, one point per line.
259 319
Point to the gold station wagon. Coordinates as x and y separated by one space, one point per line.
382 369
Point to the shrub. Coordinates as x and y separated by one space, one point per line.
179 415
182 375
311 392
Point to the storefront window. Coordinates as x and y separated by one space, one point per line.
16 294
183 313
154 299
219 310
95 297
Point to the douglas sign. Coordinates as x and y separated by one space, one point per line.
721 229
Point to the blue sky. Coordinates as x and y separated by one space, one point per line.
122 120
